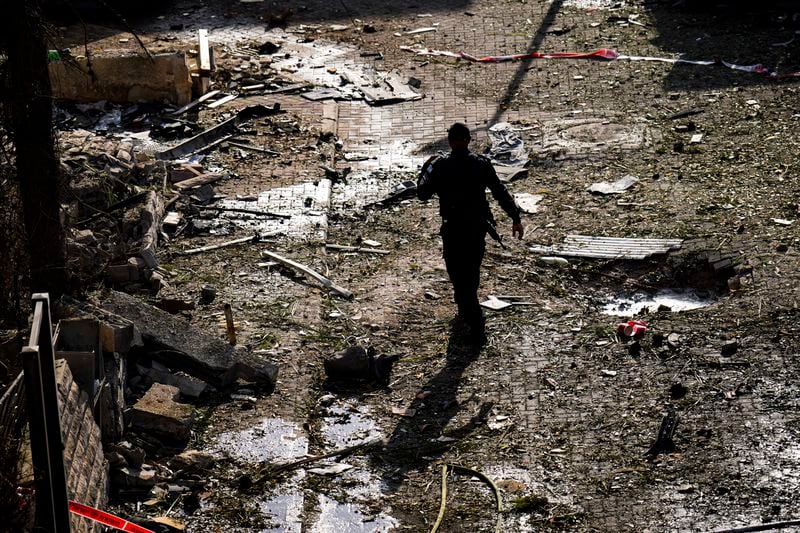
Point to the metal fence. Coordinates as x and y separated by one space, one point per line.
44 421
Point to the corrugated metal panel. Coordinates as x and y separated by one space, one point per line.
609 247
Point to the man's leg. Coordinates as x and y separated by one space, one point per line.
463 255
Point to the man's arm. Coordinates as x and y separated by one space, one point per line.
425 183
504 198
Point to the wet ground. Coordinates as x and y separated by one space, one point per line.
557 409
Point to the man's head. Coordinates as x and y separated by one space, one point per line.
458 136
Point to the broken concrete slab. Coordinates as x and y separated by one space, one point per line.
177 344
159 414
134 78
189 386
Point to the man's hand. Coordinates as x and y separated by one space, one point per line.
517 230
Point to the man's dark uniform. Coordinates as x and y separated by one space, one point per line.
460 180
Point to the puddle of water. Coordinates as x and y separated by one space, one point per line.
283 512
270 440
348 425
307 204
335 517
677 301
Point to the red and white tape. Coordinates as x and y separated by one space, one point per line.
105 518
603 53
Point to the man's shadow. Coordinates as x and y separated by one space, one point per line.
418 440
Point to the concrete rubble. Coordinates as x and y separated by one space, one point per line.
244 202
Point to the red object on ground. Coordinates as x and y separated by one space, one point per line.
105 518
632 328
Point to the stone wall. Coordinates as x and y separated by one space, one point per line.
85 465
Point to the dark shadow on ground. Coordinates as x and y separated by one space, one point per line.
413 443
143 16
516 81
744 33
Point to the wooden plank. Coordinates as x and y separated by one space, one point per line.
204 53
209 177
194 103
343 248
341 291
223 100
251 238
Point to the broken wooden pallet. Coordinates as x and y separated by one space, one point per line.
609 247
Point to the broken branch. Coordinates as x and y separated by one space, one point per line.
251 238
341 291
270 471
343 248
238 210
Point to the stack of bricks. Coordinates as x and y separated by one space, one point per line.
85 465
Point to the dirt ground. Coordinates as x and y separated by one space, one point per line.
558 410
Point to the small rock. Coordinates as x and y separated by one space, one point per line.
208 294
609 373
405 412
326 400
415 82
368 28
634 349
432 295
729 348
133 478
677 391
192 461
686 488
673 341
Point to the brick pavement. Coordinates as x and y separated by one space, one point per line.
581 436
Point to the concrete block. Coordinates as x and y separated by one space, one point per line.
158 413
134 78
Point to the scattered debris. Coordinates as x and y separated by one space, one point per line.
664 441
325 282
508 148
243 240
358 249
617 187
529 203
559 262
177 344
610 247
405 412
356 363
632 328
686 113
420 30
729 348
215 135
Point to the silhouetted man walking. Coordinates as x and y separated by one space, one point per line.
460 180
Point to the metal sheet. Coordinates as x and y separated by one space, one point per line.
609 247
